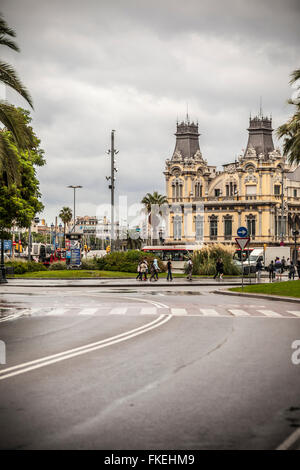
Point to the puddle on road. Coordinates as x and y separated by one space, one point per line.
165 292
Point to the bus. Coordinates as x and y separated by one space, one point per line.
178 254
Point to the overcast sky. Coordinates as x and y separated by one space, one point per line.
133 66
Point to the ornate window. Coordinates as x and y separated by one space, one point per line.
198 189
213 227
227 227
177 188
251 225
231 189
177 225
277 189
199 225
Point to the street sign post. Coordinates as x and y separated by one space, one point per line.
242 243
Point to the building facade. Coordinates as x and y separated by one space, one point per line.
259 191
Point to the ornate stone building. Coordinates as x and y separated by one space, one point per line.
208 206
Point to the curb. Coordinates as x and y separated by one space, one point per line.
258 296
177 284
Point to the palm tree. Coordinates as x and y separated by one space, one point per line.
151 199
10 117
291 130
66 217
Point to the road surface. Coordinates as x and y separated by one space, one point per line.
156 368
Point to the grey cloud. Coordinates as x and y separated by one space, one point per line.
133 66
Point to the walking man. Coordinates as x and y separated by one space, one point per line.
169 266
259 269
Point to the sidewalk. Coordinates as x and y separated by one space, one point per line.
258 296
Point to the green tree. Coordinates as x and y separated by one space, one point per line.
19 200
153 199
66 217
291 130
9 115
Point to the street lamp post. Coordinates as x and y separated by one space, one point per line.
3 279
295 235
74 187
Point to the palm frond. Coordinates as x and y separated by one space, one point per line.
5 29
9 77
14 122
9 43
9 163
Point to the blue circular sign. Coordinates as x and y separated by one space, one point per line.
242 232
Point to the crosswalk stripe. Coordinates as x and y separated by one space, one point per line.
88 311
178 311
294 312
57 311
148 311
239 313
209 312
269 313
118 311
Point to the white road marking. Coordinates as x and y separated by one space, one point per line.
88 311
118 311
294 312
239 313
290 440
178 311
48 360
57 311
148 311
209 312
269 313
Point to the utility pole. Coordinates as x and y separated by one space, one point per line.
112 152
282 203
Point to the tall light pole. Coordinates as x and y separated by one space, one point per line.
112 179
282 204
74 187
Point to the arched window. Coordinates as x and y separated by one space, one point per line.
177 188
198 189
251 225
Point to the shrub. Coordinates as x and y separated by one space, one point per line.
89 264
126 261
204 261
23 266
57 266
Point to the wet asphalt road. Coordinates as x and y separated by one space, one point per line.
209 377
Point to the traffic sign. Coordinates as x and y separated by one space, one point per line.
242 242
242 232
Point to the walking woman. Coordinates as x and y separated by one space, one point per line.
139 275
219 269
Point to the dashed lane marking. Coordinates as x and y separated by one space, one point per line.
294 312
88 311
178 311
118 311
239 313
269 313
209 312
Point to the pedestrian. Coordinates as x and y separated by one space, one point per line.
292 271
283 265
298 268
271 269
219 269
154 270
139 276
259 269
143 268
278 269
189 269
169 266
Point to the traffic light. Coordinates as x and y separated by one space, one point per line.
108 249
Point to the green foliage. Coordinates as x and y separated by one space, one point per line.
126 261
21 267
57 266
89 264
204 261
19 200
290 131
